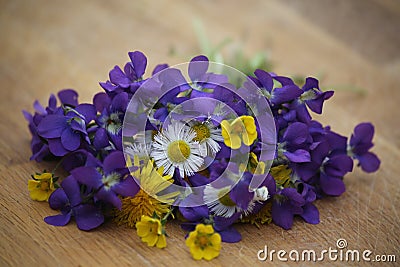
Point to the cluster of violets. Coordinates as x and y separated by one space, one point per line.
309 162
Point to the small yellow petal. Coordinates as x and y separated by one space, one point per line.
142 229
197 253
215 239
227 142
249 124
150 239
235 142
190 240
159 228
210 253
225 126
146 219
253 136
38 195
162 241
208 229
200 227
43 176
236 121
32 184
245 138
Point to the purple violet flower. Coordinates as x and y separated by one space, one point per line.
295 143
66 132
69 201
286 203
110 181
278 95
360 144
128 80
40 145
289 202
313 96
200 78
110 119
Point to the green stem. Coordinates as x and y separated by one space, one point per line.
164 219
58 164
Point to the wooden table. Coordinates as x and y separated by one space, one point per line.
50 45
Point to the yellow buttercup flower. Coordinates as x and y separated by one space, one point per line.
41 187
151 231
253 165
204 242
242 129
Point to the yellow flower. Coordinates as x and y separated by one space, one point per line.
151 231
204 242
41 187
242 129
148 200
253 165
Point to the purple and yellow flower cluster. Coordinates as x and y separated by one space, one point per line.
198 147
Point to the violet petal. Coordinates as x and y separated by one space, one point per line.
127 187
70 140
282 215
72 190
300 155
52 126
88 176
68 97
139 62
369 162
197 67
109 196
310 213
332 186
56 147
58 220
114 161
58 199
230 235
88 217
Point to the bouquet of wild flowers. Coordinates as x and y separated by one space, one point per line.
200 142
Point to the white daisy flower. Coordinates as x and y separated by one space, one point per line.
207 134
219 201
174 147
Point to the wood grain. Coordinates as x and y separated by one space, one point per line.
49 45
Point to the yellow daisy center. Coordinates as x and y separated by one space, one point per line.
202 132
223 196
178 151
